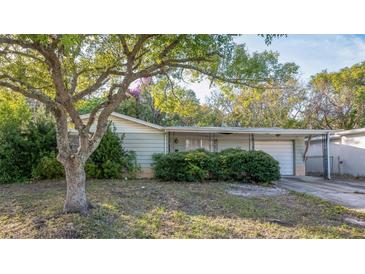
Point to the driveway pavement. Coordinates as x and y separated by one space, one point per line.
350 194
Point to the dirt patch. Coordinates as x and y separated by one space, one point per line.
256 191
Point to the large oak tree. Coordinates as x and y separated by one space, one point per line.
62 70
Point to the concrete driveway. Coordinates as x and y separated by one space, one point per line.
350 194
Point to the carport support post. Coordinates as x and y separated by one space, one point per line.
326 156
251 142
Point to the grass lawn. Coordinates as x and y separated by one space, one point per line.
150 209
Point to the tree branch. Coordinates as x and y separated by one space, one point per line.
6 52
171 46
34 94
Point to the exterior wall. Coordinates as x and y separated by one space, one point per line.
299 163
347 153
233 141
145 145
218 142
143 140
125 126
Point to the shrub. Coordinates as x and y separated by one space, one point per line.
22 146
183 166
48 168
250 166
261 167
111 160
230 164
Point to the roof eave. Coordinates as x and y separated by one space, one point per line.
250 131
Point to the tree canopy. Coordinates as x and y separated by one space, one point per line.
337 99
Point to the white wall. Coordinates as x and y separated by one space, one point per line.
142 139
145 145
348 156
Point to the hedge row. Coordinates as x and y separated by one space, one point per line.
230 164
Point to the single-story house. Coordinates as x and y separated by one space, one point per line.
286 145
347 153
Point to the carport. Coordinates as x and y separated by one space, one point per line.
325 159
287 146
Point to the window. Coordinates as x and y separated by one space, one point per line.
195 143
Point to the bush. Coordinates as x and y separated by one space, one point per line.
251 166
184 166
230 164
261 167
110 160
48 168
22 146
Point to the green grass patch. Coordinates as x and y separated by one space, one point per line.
154 210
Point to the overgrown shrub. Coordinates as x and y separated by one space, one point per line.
261 167
28 151
230 164
251 166
48 167
183 166
22 145
111 160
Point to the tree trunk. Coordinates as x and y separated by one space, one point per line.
75 178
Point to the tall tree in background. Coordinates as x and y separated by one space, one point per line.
337 100
255 107
62 70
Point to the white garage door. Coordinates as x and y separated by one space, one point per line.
282 151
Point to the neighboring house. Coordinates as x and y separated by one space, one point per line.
285 145
347 153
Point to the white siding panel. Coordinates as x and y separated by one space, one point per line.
282 151
144 145
125 126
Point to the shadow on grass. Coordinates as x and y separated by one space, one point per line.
148 209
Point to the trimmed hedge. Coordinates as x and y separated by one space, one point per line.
229 164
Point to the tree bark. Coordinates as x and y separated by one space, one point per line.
75 178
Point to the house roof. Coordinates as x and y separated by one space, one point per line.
273 131
351 131
129 118
270 131
339 133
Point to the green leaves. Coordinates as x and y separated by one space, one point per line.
111 160
230 164
338 98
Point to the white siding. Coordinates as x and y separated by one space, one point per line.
143 140
145 145
347 155
125 126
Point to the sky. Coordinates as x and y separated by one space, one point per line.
313 53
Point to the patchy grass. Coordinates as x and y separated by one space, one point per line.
150 209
